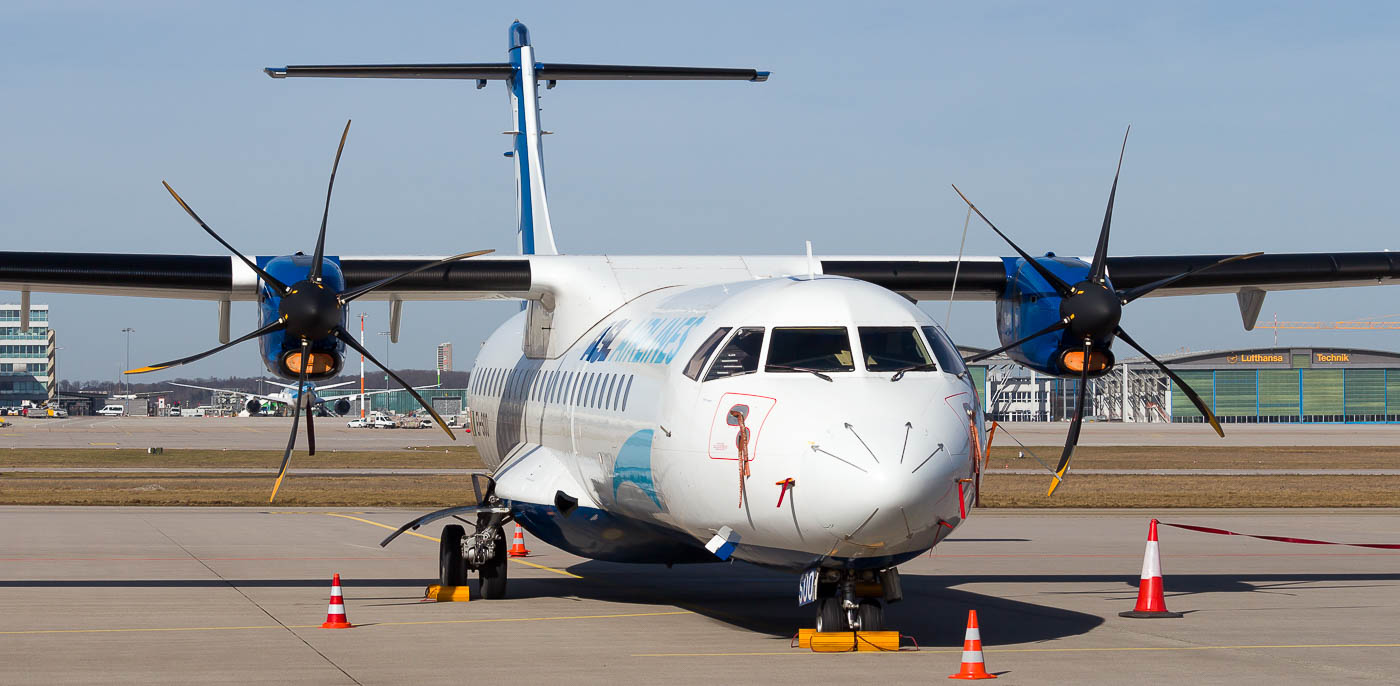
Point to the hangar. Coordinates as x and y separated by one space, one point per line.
1251 385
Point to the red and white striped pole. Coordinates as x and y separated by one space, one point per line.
1152 601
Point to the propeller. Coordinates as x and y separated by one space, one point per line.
309 311
1090 310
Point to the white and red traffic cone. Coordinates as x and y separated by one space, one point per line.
972 666
335 614
517 546
1151 602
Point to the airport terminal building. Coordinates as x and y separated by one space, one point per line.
1253 385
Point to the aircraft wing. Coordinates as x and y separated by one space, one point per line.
248 394
354 393
205 277
201 277
983 278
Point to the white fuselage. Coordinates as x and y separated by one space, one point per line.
615 423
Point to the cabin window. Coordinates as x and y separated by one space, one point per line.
893 348
627 392
697 361
739 356
817 348
947 353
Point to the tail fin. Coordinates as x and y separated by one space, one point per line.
522 75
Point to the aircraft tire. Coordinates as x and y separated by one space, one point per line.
830 615
451 570
871 615
493 575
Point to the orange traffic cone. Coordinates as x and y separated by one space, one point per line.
972 667
335 614
1151 602
517 546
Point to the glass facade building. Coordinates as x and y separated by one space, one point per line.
1288 385
26 359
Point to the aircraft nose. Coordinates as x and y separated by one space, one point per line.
882 484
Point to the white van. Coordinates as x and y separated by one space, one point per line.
112 411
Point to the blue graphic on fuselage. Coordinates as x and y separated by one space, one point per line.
633 465
651 341
1029 303
290 269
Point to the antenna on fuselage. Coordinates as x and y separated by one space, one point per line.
957 266
811 268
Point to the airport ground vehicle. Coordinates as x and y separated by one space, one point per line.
112 411
375 420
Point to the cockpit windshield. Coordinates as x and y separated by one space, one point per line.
740 355
947 353
697 361
808 349
894 348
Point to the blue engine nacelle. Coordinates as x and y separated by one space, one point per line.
1029 303
281 354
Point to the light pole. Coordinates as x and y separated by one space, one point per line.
387 364
126 386
362 366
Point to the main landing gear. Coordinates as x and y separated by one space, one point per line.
483 552
849 600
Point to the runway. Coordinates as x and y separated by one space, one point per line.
208 595
243 433
270 433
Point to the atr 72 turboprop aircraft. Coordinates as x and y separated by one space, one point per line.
655 408
308 396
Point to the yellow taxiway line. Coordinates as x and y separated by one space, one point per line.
995 651
434 539
30 632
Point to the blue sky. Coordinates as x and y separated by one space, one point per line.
1256 126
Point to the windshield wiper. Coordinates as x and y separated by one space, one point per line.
925 367
790 368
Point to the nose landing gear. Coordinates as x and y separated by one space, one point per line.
850 600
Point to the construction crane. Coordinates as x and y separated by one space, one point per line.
1373 324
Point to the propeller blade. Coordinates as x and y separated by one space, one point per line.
358 291
1131 294
266 277
315 276
1185 387
296 416
1096 268
1072 439
310 429
275 326
982 356
349 340
1055 281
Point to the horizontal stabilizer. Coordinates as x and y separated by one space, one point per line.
501 71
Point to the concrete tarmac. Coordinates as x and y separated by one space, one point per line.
237 595
242 433
270 433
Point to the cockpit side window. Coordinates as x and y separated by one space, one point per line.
893 348
816 348
697 361
740 355
943 349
